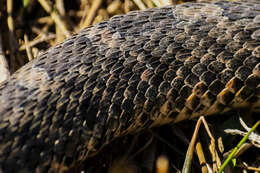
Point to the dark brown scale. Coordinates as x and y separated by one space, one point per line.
143 57
190 44
191 80
133 81
128 105
198 52
193 28
169 75
251 45
148 106
142 86
135 50
242 53
243 72
183 71
121 75
207 77
153 63
244 93
199 89
151 93
216 32
256 52
198 69
130 92
177 83
233 46
179 38
161 69
130 61
139 67
173 48
234 84
118 96
252 26
252 81
234 64
216 87
150 45
139 99
165 41
224 56
185 91
224 38
242 36
207 58
125 74
206 41
164 87
256 70
215 49
216 66
225 97
158 51
193 102
191 62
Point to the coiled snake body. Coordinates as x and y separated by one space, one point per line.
126 74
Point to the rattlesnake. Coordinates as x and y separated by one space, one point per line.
130 73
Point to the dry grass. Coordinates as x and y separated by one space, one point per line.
47 22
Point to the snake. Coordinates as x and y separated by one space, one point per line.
127 74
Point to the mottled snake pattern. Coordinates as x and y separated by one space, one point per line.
130 73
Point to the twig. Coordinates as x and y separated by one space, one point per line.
149 3
60 7
83 12
189 154
140 4
201 157
41 31
166 2
253 169
92 12
214 153
114 6
46 19
12 41
244 147
55 17
4 69
126 6
37 40
35 52
253 137
28 48
237 147
157 3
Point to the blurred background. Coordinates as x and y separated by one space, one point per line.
30 26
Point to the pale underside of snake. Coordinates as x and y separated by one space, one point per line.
130 73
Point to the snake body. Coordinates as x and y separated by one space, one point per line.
130 73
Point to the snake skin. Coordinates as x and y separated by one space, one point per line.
130 73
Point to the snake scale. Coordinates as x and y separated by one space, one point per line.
130 73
